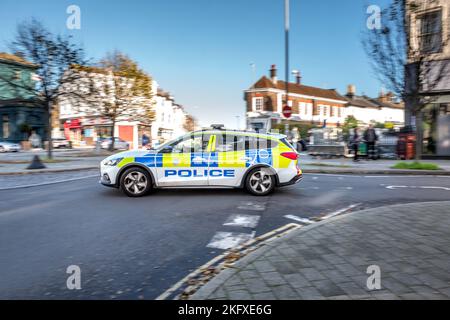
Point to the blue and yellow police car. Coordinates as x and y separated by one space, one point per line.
207 158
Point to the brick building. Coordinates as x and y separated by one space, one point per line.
428 74
266 98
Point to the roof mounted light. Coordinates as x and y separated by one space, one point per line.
218 126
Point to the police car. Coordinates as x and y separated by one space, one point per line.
206 159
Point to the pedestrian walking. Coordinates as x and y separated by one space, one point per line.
371 138
356 139
35 140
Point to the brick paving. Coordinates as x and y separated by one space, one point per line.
329 260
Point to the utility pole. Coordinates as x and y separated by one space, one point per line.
286 38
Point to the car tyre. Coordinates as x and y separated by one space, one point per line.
135 182
260 182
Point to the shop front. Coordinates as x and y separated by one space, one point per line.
436 128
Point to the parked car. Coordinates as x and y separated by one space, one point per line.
61 143
119 144
9 147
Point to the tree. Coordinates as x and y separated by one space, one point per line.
403 68
117 89
53 54
349 123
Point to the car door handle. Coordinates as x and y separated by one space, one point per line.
246 159
198 159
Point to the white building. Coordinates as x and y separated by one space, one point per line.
83 127
370 110
170 117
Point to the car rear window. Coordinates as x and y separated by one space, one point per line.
287 144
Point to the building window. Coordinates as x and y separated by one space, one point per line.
302 108
5 126
430 32
258 104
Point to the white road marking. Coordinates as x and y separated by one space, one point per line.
408 176
254 206
274 234
301 220
417 187
50 182
338 212
242 220
228 240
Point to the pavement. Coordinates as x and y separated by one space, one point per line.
331 259
87 159
71 160
138 248
348 166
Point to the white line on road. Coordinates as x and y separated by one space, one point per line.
301 220
253 206
417 187
338 212
242 220
229 240
48 183
269 236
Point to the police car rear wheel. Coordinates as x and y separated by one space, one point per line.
135 182
260 182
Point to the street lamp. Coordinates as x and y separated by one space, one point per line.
286 38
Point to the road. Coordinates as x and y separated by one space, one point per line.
137 248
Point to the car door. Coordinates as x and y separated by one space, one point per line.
185 162
231 160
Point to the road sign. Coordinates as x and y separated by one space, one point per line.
287 112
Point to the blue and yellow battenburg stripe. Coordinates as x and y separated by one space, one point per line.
214 159
235 159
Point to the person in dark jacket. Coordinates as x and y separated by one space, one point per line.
356 139
371 138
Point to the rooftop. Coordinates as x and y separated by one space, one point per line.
15 59
266 83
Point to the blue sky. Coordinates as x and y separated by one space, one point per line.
201 50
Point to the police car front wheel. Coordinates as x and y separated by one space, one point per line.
135 182
260 182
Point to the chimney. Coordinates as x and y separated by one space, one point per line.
273 73
351 91
298 78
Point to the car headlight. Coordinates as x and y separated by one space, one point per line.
112 162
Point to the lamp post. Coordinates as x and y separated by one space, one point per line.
286 47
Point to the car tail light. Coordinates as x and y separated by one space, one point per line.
290 155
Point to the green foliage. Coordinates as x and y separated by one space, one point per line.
303 128
416 166
350 123
25 128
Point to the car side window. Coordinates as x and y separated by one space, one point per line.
231 142
197 143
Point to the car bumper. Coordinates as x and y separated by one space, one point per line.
294 180
108 176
